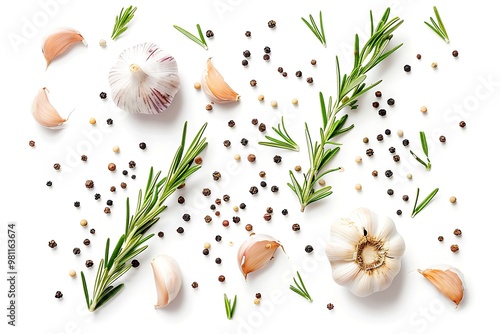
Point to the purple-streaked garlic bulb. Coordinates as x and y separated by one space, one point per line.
144 80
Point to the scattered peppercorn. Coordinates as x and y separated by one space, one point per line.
296 227
161 234
378 93
248 33
251 157
358 186
329 306
380 137
222 278
419 56
226 198
112 189
399 212
52 244
390 101
103 95
457 232
107 210
180 230
375 104
142 146
218 260
267 217
396 158
277 159
454 53
298 74
109 121
243 206
309 80
405 198
236 219
262 127
208 219
111 167
263 184
406 142
135 263
97 197
442 139
57 166
246 54
209 34
206 192
76 204
280 69
227 143
382 112
84 157
32 143
388 173
366 140
275 189
454 248
244 62
244 141
76 251
453 199
89 263
258 295
392 149
266 57
284 212
253 82
89 184
387 132
84 222
375 173
212 206
271 24
462 124
434 65
369 152
309 249
218 238
407 68
216 175
58 294
248 227
49 184
440 238
123 185
284 74
390 192
253 190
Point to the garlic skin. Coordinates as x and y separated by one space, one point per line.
215 87
58 42
168 279
448 280
256 252
365 252
144 79
44 113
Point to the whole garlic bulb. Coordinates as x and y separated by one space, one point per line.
365 252
168 279
144 80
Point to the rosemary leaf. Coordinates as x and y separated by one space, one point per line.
121 21
300 289
424 203
318 32
230 307
286 144
200 41
425 148
438 27
131 243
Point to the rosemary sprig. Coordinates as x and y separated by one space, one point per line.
438 27
423 141
200 41
349 89
421 206
287 143
318 32
121 21
230 307
149 207
300 289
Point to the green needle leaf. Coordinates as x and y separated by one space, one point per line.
125 16
318 32
200 41
424 203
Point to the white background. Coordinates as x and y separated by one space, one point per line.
465 88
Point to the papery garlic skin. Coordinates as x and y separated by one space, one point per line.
365 252
58 42
168 279
44 112
448 280
215 87
256 252
144 80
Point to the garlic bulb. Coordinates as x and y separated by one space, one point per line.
256 252
168 279
43 111
144 80
58 42
365 252
215 87
448 280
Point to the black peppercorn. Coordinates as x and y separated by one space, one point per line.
244 141
390 192
275 189
258 295
271 24
206 251
269 210
266 57
462 124
76 251
253 190
89 263
310 80
125 172
243 206
440 238
244 62
161 234
375 104
329 306
207 219
407 68
142 146
442 139
399 212
309 249
406 142
97 197
84 157
76 204
212 206
296 227
392 149
267 49
226 198
284 212
86 242
419 56
218 260
218 238
236 219
369 152
209 34
227 143
388 173
32 143
262 127
387 132
135 263
186 217
253 82
390 101
52 244
248 33
454 53
277 159
255 121
405 198
246 53
280 69
218 201
109 121
396 158
263 184
194 285
180 230
103 95
284 74
216 175
49 184
298 74
58 294
131 164
133 177
382 112
57 166
378 93
206 192
380 137
92 231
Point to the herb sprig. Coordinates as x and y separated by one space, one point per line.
425 148
230 307
149 206
287 143
300 289
349 89
121 21
318 32
438 27
200 41
424 203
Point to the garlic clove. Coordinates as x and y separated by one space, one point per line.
168 280
448 280
215 86
58 42
256 252
144 79
44 113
